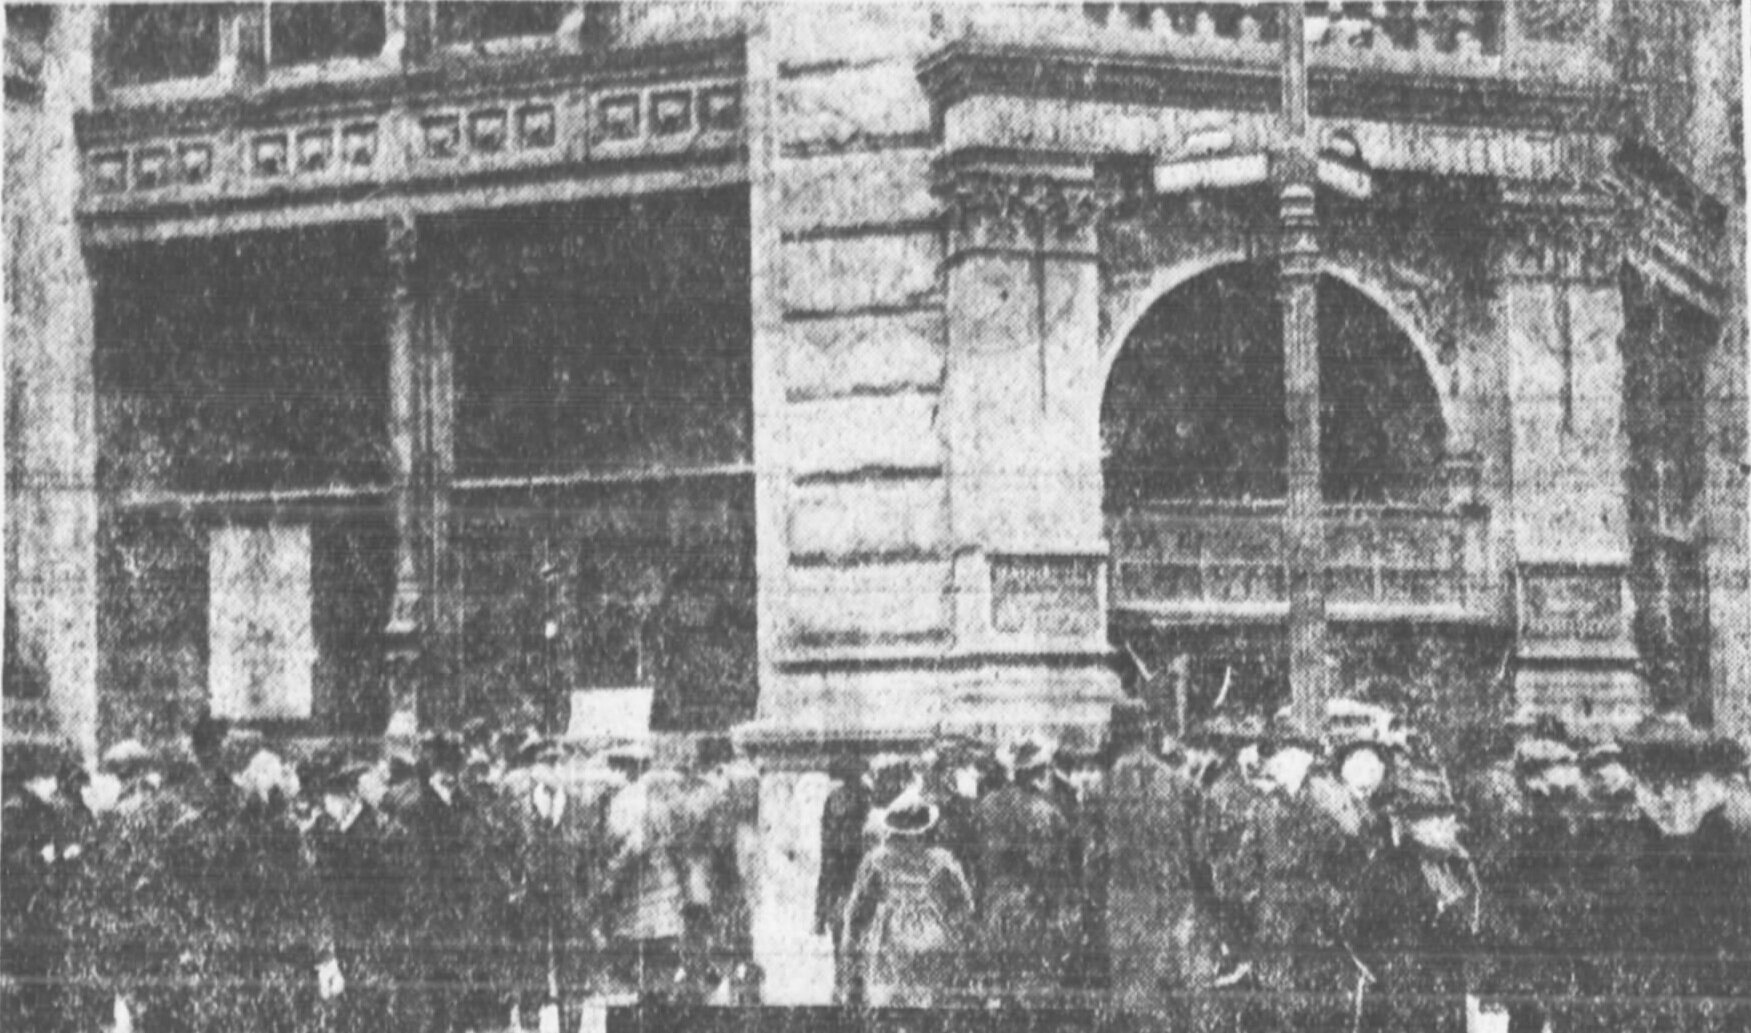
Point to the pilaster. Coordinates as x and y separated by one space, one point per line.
1023 301
51 496
1560 310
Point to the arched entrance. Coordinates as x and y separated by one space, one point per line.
1194 457
1194 402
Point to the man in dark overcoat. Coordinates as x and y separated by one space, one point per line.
358 876
1146 814
1025 887
450 874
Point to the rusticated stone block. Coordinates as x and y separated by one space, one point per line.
885 517
848 434
833 110
868 604
857 189
865 353
861 272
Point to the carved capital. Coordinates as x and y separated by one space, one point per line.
1023 206
1559 243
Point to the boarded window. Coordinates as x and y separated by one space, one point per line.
261 649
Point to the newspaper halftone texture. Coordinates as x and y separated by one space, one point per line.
1171 515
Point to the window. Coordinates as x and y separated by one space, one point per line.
148 43
305 33
479 22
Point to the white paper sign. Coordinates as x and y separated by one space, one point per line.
610 714
261 648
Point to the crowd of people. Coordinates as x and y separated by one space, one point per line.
1250 874
1263 875
485 881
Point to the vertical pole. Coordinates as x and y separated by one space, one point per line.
404 633
1304 528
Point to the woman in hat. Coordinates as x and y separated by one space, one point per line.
908 918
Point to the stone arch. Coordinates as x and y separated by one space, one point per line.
1140 302
1198 412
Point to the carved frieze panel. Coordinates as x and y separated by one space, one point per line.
1562 603
414 125
1056 596
1570 238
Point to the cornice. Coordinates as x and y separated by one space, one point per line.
967 68
443 80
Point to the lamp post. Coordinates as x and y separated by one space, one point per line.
1304 525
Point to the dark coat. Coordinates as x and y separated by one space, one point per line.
842 824
1147 814
359 878
360 881
1026 890
554 835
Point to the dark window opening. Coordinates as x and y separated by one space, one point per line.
476 22
641 587
605 336
148 43
303 33
243 364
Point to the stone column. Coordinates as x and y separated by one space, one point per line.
52 445
1727 505
1560 309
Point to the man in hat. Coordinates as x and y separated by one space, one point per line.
843 818
1025 885
359 884
554 836
1147 825
442 823
1302 865
908 918
1520 810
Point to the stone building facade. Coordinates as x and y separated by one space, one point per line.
862 373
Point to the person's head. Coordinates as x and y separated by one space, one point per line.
1363 766
442 756
206 740
1605 772
909 817
890 774
35 767
340 788
1030 763
132 763
847 767
631 761
1130 727
268 780
713 752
